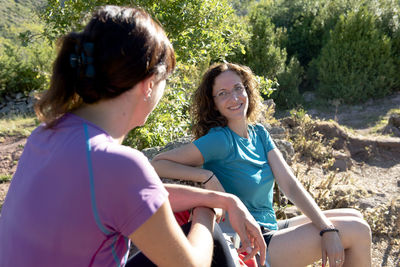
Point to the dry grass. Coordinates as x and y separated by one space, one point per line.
332 189
18 125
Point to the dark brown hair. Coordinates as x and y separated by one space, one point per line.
204 114
118 48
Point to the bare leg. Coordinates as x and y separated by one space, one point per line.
298 220
301 245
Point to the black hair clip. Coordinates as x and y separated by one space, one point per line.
88 59
85 58
74 60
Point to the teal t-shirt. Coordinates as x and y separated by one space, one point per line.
241 166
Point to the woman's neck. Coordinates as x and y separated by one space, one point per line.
107 117
239 127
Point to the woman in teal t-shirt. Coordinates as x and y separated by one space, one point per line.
239 157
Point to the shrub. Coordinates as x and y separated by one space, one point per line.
287 95
200 30
170 119
262 52
396 56
307 24
356 64
309 144
23 69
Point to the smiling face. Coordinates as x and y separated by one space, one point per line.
230 96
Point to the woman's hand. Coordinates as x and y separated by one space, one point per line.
332 249
248 230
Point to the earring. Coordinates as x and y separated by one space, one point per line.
146 98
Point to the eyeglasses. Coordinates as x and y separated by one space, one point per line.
225 94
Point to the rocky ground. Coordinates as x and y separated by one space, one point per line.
370 163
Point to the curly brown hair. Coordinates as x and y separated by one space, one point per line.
204 114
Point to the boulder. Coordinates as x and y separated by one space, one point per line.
342 161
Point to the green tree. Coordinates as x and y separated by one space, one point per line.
263 54
356 64
25 57
170 119
200 30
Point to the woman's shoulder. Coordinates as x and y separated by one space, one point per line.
218 132
119 152
258 128
218 141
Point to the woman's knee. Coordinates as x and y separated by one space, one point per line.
344 212
355 230
355 213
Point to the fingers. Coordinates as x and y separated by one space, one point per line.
335 260
323 258
253 242
219 214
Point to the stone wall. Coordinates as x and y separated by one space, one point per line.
17 104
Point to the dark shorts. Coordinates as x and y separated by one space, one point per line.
267 234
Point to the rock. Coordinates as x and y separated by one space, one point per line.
342 162
270 105
151 152
19 96
292 211
277 130
366 203
178 143
398 183
308 97
346 190
286 148
5 110
394 120
393 126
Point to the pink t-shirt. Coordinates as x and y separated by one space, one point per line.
75 198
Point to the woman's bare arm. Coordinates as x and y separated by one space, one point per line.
293 189
181 163
331 243
184 197
161 239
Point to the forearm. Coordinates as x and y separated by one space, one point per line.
200 235
161 231
294 190
185 197
173 170
303 200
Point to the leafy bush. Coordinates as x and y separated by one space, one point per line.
310 145
23 69
170 119
25 58
306 23
287 95
200 30
356 64
262 52
396 56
